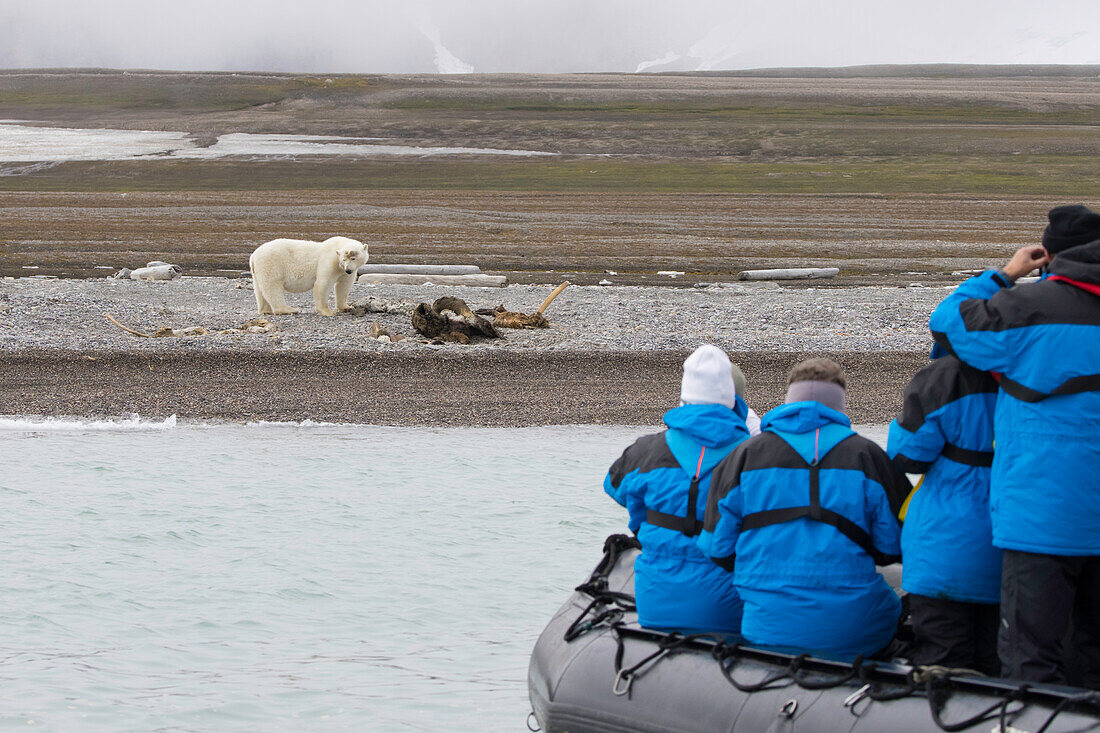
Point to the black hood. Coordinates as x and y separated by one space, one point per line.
1081 263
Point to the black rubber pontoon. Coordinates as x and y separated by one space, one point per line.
594 669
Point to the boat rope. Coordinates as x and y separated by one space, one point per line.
936 686
624 678
821 684
1087 698
731 653
926 672
614 546
874 690
612 606
607 606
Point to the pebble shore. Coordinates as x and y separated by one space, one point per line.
69 314
612 354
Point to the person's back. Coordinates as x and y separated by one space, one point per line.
952 570
1039 337
801 514
663 480
1043 340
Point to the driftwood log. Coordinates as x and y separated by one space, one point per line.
372 268
789 273
450 319
510 319
127 329
471 281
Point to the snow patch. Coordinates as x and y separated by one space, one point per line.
668 58
50 145
445 61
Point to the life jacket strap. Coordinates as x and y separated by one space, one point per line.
1074 385
814 511
689 525
979 458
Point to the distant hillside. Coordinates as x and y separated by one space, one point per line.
933 71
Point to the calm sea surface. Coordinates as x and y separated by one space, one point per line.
201 577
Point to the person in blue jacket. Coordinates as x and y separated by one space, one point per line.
952 571
663 480
1043 339
801 514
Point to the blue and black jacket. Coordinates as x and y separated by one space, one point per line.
663 480
1044 341
801 514
945 431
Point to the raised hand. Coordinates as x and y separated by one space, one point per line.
1025 260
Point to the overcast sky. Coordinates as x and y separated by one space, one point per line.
455 36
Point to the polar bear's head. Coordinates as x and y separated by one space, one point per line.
351 254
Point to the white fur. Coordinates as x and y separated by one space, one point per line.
296 265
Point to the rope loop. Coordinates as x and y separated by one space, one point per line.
768 683
874 688
624 678
1087 698
923 673
938 690
825 684
609 615
722 651
672 640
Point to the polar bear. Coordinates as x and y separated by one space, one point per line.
297 266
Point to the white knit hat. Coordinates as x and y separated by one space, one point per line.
707 378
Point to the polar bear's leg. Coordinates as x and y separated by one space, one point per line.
275 299
269 295
321 289
261 284
257 289
343 287
261 302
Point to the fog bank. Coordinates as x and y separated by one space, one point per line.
540 35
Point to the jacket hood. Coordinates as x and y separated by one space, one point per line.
710 425
801 417
811 428
1081 263
700 436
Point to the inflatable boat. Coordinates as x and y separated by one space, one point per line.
595 669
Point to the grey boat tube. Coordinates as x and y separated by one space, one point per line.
594 669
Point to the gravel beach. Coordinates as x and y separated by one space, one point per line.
612 354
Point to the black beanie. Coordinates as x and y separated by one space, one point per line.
1070 226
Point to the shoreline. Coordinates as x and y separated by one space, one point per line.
613 355
411 388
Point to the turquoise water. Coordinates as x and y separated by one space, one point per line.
197 577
